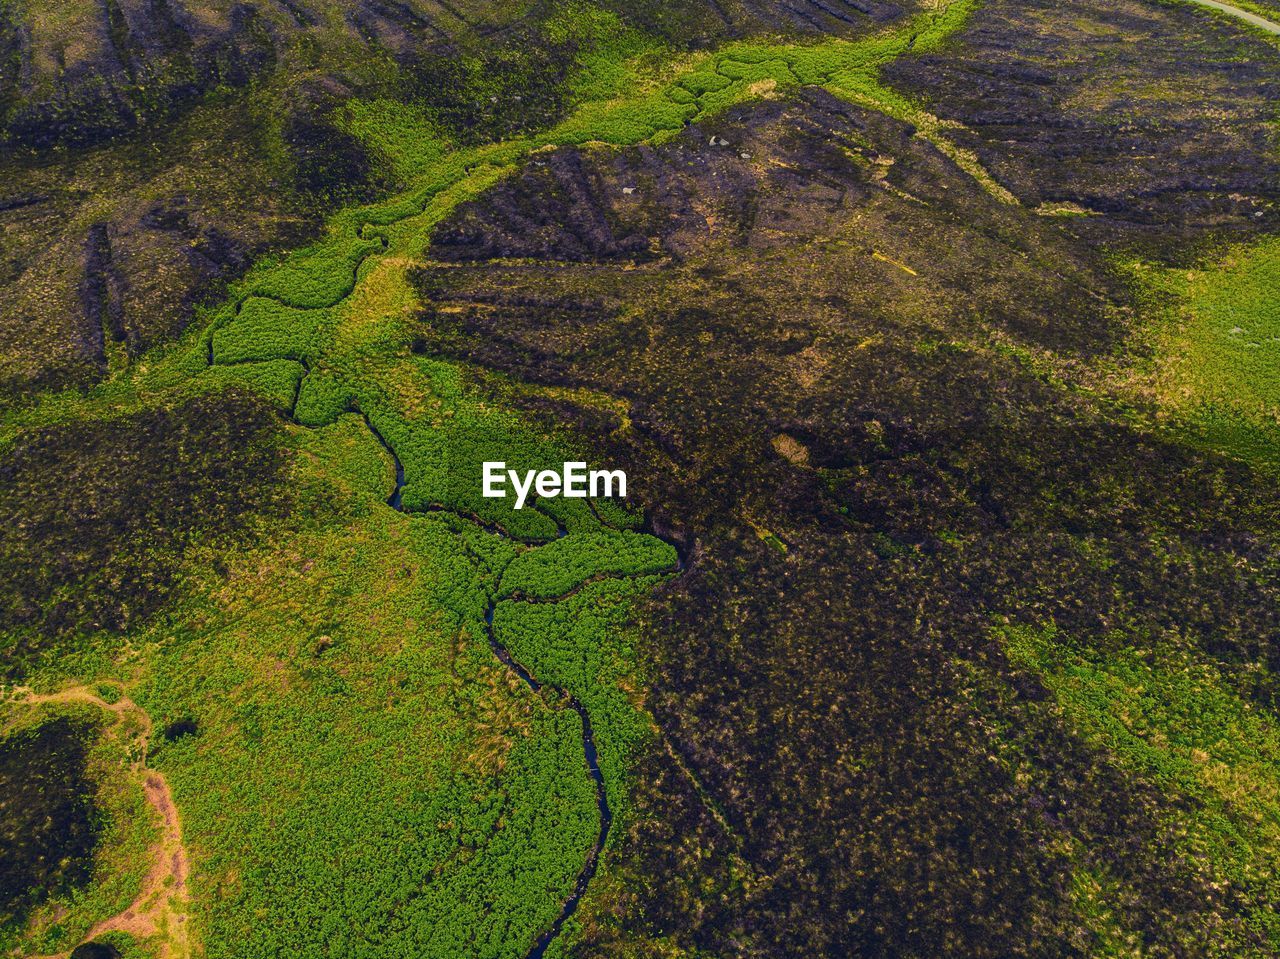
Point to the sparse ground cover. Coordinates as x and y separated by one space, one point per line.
1040 95
50 834
97 514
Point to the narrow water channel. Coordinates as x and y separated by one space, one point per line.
539 948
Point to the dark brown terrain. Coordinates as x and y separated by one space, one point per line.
1158 119
817 329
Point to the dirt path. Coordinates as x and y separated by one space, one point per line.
1262 23
161 907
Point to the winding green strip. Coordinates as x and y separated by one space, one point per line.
559 567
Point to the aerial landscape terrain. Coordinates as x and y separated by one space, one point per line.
937 342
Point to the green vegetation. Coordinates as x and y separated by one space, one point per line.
267 330
383 770
362 763
559 566
275 380
1174 720
1218 351
316 277
581 644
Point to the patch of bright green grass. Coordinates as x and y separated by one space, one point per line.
560 566
1218 354
276 379
319 276
268 330
404 134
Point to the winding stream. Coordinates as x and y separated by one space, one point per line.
560 695
588 871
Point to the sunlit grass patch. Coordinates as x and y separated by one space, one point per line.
558 567
1218 348
275 379
319 276
269 330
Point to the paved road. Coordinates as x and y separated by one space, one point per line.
1261 22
